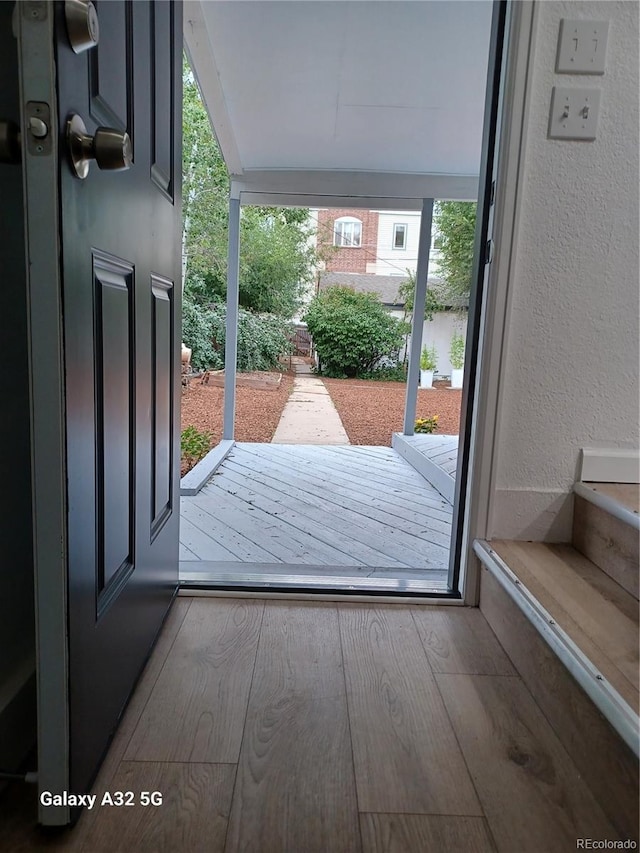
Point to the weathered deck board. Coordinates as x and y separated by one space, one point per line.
396 500
443 450
404 484
318 506
432 530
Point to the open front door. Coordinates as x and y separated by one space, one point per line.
105 355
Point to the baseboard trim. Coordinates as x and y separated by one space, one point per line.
201 473
431 472
600 465
603 695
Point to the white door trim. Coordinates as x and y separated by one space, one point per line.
511 140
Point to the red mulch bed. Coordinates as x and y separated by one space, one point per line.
257 411
371 411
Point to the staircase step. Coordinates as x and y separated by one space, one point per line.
606 527
556 673
572 634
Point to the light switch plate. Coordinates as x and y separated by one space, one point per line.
574 113
582 47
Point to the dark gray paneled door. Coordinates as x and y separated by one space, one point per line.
121 295
120 290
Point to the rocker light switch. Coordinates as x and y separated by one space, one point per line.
574 113
582 47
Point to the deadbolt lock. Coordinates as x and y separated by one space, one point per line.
111 149
82 24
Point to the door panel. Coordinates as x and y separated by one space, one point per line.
111 67
162 67
163 315
115 425
116 251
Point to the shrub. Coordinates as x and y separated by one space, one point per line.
197 333
387 373
456 351
427 425
351 331
428 358
194 446
262 338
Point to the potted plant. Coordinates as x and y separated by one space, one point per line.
428 363
456 357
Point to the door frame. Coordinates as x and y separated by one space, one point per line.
493 310
35 33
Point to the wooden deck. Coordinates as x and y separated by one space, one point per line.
435 457
442 450
342 511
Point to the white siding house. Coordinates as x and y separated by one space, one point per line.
397 245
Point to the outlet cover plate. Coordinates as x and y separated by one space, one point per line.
574 113
582 47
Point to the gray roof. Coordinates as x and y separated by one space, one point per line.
386 286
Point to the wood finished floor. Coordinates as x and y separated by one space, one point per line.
362 509
277 727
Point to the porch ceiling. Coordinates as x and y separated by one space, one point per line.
354 99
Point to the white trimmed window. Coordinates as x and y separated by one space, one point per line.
347 231
400 235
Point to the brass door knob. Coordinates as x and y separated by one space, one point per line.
111 149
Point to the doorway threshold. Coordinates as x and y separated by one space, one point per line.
342 579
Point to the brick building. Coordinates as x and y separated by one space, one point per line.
354 236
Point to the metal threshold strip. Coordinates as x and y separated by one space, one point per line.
316 583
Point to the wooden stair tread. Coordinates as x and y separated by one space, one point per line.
595 611
627 494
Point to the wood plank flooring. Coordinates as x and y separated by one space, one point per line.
361 507
323 728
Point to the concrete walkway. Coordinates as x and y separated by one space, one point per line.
309 416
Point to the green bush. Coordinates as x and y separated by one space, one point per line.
351 331
428 358
456 351
262 338
194 445
387 373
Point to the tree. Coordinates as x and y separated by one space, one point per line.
406 293
351 331
276 259
455 222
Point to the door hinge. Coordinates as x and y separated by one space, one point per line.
488 251
493 193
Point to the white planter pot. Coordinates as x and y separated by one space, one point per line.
426 378
456 377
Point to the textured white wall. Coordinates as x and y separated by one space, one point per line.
572 374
